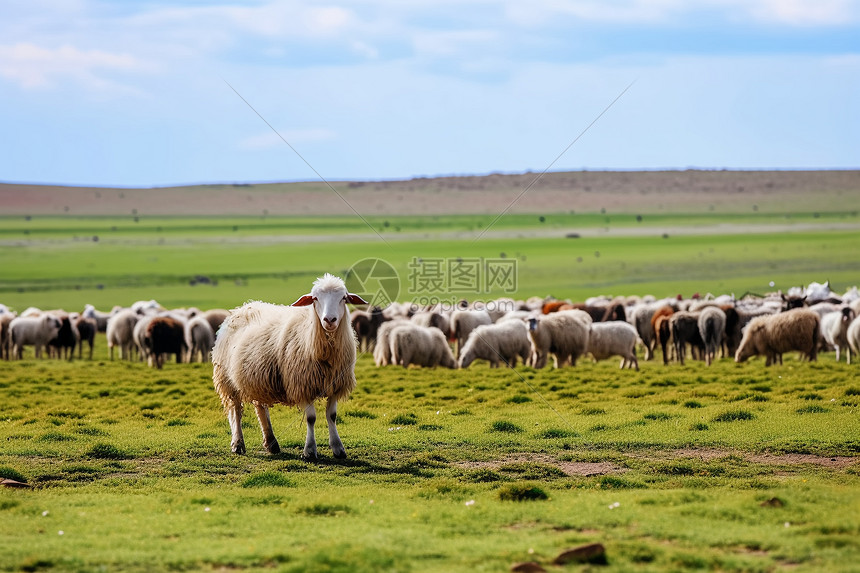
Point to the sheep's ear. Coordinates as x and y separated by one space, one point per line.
304 300
354 299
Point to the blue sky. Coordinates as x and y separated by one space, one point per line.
134 93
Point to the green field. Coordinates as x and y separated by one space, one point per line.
736 467
730 468
55 262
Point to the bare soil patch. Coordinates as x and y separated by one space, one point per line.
577 191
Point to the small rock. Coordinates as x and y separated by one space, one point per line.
527 567
592 553
772 502
13 483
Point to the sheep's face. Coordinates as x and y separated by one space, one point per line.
329 297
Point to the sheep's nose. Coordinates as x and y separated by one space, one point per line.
330 319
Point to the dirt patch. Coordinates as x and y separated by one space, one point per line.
709 454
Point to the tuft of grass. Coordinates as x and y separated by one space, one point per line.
734 416
657 416
7 472
521 492
518 399
504 426
693 404
557 433
357 414
267 479
813 409
699 427
105 451
324 510
408 419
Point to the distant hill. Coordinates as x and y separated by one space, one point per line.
579 191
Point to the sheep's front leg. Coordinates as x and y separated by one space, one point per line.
310 451
234 417
333 437
269 441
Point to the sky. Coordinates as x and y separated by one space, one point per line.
147 93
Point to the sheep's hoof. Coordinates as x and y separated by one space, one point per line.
273 448
340 454
239 447
309 454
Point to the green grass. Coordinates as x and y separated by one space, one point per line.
677 477
51 269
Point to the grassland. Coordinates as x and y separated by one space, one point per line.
729 468
68 262
732 468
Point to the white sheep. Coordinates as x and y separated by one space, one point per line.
614 338
199 338
834 330
140 332
712 329
382 346
563 334
772 335
463 322
32 330
853 337
419 345
432 318
100 317
120 332
501 342
294 355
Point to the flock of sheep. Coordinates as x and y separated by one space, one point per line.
502 331
267 354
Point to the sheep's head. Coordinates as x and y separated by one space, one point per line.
329 297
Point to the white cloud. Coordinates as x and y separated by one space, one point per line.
293 136
32 66
803 13
795 13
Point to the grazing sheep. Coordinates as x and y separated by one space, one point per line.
663 331
641 318
420 345
272 354
834 330
6 319
771 336
501 342
199 339
685 330
736 320
366 324
140 335
555 306
100 317
382 347
216 317
32 330
87 329
463 322
120 332
435 320
165 335
614 338
67 337
562 334
712 328
853 336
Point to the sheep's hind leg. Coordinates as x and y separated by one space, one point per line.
269 441
310 451
337 448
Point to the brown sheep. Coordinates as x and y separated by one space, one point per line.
165 335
